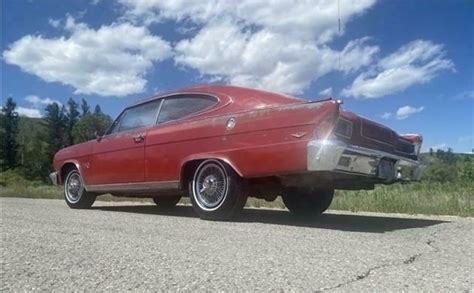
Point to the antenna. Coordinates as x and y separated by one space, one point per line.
339 32
339 17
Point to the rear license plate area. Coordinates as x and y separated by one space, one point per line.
386 169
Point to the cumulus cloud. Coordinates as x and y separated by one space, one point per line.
109 61
54 22
326 92
265 59
406 111
39 102
280 46
308 19
386 115
417 62
28 112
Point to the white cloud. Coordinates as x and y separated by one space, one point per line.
417 62
307 19
28 112
406 111
39 102
280 46
466 95
465 138
440 146
109 61
265 59
386 115
54 22
326 92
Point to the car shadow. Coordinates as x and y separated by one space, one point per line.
332 221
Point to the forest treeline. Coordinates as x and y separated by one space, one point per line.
29 144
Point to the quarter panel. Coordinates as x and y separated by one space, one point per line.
263 142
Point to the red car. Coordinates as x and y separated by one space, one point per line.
220 144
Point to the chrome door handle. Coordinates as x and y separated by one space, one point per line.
139 138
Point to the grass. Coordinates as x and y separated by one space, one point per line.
415 198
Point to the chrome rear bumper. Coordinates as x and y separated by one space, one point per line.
54 177
337 156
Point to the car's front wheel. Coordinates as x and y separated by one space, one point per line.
166 201
75 194
216 191
307 201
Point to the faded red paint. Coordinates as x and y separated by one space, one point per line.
269 138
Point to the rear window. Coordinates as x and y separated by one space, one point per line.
182 106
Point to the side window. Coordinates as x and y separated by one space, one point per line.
137 117
178 107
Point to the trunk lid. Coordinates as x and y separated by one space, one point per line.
363 132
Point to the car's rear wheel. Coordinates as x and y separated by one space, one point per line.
166 201
216 191
307 201
75 193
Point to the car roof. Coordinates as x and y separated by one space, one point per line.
237 98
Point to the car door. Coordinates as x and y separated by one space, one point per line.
169 142
119 157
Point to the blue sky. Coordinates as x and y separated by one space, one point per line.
406 64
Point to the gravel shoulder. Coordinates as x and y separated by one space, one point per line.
136 246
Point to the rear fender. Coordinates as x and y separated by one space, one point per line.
207 156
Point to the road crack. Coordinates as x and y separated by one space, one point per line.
411 259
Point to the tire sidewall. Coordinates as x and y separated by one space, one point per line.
307 202
85 200
232 202
69 175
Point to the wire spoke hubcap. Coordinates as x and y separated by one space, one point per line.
210 186
74 187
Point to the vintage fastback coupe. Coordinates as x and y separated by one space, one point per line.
220 144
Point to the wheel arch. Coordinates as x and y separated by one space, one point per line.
190 164
66 167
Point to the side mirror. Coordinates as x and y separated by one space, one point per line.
98 136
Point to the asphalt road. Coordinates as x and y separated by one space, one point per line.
130 246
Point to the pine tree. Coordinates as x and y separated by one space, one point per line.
97 110
72 116
85 107
9 127
55 125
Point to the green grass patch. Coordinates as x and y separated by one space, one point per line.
415 198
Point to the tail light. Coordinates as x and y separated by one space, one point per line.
418 148
343 128
416 140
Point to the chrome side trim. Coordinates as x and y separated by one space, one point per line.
337 156
139 186
54 177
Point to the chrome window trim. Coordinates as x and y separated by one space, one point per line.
145 126
169 95
135 186
120 116
189 115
